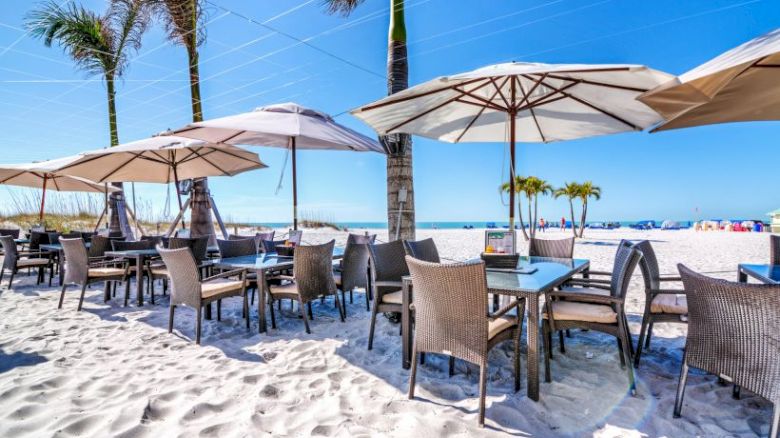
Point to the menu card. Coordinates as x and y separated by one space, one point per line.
500 242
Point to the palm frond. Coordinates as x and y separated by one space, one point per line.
129 19
184 20
341 7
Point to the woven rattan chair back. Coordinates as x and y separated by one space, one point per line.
559 248
11 254
774 250
313 270
450 303
361 239
734 329
183 272
265 235
100 244
295 236
237 248
388 261
198 245
13 232
76 260
651 273
354 265
626 259
424 250
123 245
269 246
38 238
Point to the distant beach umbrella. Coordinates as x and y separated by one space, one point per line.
517 101
41 175
286 125
742 84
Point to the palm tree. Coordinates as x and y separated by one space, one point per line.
398 146
519 189
99 45
183 21
587 190
571 191
533 188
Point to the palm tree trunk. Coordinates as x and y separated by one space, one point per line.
398 146
571 210
584 215
520 217
201 223
114 225
531 226
536 212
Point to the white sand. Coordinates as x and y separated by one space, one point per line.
115 371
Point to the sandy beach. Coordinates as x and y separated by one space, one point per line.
115 371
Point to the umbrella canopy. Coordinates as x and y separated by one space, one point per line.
162 159
740 85
285 125
41 175
518 101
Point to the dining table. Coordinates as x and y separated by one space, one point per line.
529 280
263 264
767 274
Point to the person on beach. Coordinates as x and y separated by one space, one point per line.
541 224
563 223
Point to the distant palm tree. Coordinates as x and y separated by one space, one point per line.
534 187
398 146
587 190
98 44
519 189
571 191
183 21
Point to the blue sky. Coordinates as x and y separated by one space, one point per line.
49 109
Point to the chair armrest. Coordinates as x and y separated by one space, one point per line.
502 311
281 277
585 298
677 278
604 273
592 284
387 283
31 253
226 274
665 291
103 262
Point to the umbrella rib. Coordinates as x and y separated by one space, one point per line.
212 164
14 176
405 98
596 83
430 110
53 179
498 90
234 155
546 98
528 95
531 108
231 137
592 106
482 99
134 156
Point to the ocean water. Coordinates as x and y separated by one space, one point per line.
440 225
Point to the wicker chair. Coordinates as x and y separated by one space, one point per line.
13 232
450 303
100 244
269 246
38 238
388 267
352 271
661 304
312 279
15 259
424 250
733 332
594 309
189 290
774 250
294 236
80 271
197 245
560 248
124 245
237 248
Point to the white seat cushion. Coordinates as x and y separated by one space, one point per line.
160 272
106 272
586 312
337 277
586 290
668 303
498 325
23 263
392 298
287 288
219 286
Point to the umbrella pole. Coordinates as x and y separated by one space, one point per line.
178 195
43 198
512 117
295 185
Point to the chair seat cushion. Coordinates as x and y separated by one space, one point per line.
160 271
106 272
287 288
392 298
586 290
498 325
337 277
585 312
23 263
668 303
219 286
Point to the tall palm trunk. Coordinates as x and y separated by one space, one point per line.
114 224
399 146
584 215
571 210
201 223
531 226
536 211
520 218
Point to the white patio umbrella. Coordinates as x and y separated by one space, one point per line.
285 125
740 85
518 101
41 175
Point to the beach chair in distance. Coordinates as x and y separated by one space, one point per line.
558 248
733 333
15 259
465 330
81 272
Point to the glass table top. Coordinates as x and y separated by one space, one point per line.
543 274
262 261
766 273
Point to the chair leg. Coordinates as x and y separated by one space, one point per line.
482 387
2 272
273 315
150 284
368 299
678 401
127 291
517 356
219 310
198 315
735 392
351 298
371 327
546 353
413 373
62 295
560 340
568 333
51 274
774 428
649 334
253 297
621 352
246 310
81 299
626 354
11 280
452 366
305 318
495 302
340 305
171 310
40 275
642 333
308 309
